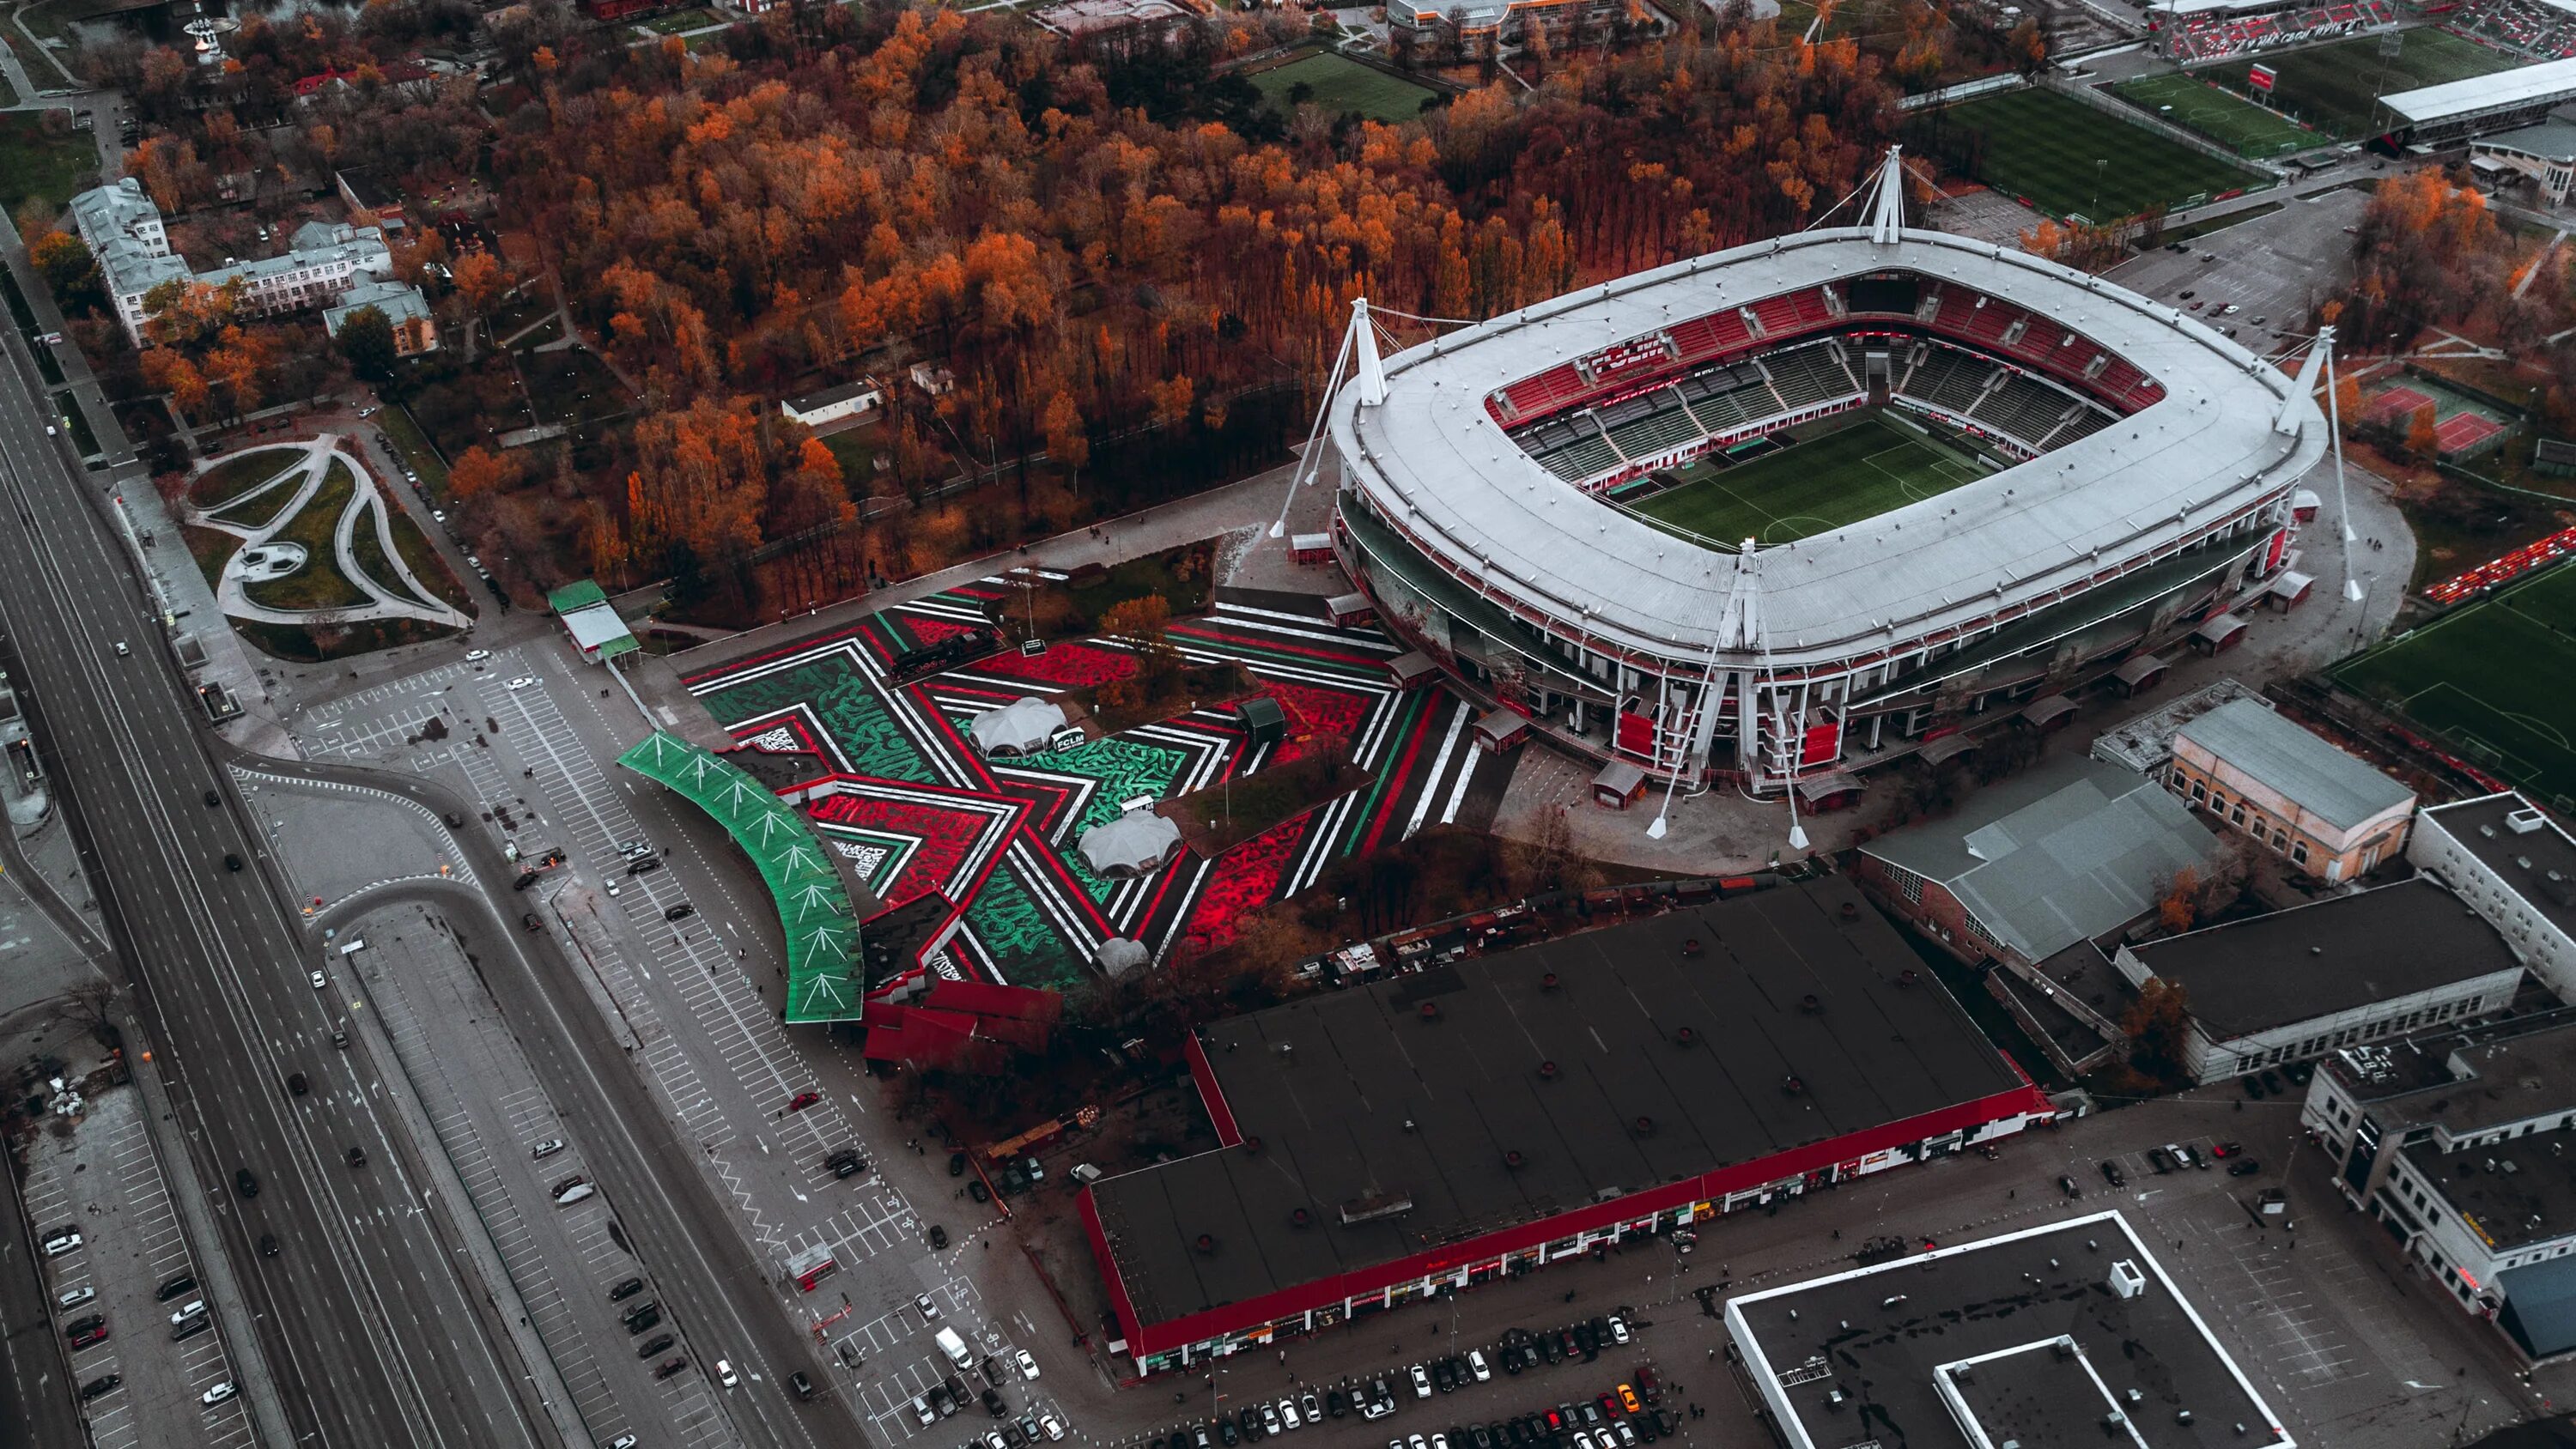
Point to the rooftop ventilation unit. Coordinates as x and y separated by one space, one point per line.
2125 1280
2526 820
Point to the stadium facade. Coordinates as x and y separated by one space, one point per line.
2138 468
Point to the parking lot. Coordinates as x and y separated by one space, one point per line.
102 1180
2273 268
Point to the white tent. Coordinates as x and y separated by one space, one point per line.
1118 956
1022 727
1135 844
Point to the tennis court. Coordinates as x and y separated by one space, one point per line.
2230 120
2069 159
1860 471
2335 87
2495 679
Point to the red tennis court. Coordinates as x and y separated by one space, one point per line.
2397 402
2462 431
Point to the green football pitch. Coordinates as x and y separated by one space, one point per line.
1857 472
2069 159
2335 87
2497 679
2231 121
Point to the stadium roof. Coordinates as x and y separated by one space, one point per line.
2549 140
1434 459
2071 849
2024 1337
2281 755
1412 1091
824 978
2524 85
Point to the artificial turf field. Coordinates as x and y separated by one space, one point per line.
2238 124
2496 678
1816 486
2333 87
2045 148
1342 84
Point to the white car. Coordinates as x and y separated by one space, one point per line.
120 649
725 1374
1476 1365
477 656
576 1193
1028 1365
1618 1329
522 682
319 980
368 412
61 1243
547 1148
921 1410
929 1310
1421 1383
217 1394
1288 1414
74 1298
1053 1426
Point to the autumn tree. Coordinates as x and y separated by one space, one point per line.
366 339
2178 907
1067 443
65 261
1142 624
478 472
2158 1028
2423 438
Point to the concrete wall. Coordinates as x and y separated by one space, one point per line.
2546 950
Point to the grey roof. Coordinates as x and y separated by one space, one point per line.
315 244
2533 1203
2519 86
1135 843
2418 1082
2333 955
2540 1306
1016 727
2281 755
2144 742
816 401
1358 1094
2510 836
114 209
129 267
1434 461
2550 140
2070 849
2055 1351
399 301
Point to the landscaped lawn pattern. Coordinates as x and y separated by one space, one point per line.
1341 85
38 165
2495 678
370 554
239 474
2050 150
319 584
843 702
2336 87
2232 121
1858 472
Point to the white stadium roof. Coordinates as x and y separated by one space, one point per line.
2523 86
1433 460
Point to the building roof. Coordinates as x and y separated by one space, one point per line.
2452 100
1135 843
1361 1099
2145 742
2333 955
115 208
579 594
2433 1081
129 267
2069 850
2251 737
2522 844
815 402
1016 726
2517 1191
2540 1306
2549 140
598 630
2051 1351
1094 17
314 244
1434 461
399 301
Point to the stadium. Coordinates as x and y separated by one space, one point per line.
1776 513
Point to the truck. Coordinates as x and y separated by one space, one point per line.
953 1346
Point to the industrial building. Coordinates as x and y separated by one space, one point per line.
1449 1127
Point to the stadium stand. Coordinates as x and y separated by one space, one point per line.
2216 33
2541 29
2022 408
1806 376
1949 379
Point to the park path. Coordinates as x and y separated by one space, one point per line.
365 500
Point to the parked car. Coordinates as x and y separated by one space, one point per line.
2112 1174
654 1345
2069 1186
625 1290
2244 1167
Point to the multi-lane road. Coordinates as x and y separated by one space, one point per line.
366 1326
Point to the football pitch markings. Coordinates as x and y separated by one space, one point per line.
1844 477
2491 678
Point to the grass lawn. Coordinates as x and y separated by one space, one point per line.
336 641
856 455
370 553
1221 817
210 547
2232 121
572 387
427 566
1869 468
2497 678
239 474
1342 84
38 165
319 584
2046 148
679 22
2333 87
413 447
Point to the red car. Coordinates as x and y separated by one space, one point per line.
803 1100
2227 1149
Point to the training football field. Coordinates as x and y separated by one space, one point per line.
2069 159
2222 116
2335 87
2495 679
1857 472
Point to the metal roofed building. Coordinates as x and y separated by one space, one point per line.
2544 153
2349 969
2144 742
2070 850
2456 110
2516 867
2333 816
2152 488
2066 1334
1445 1128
